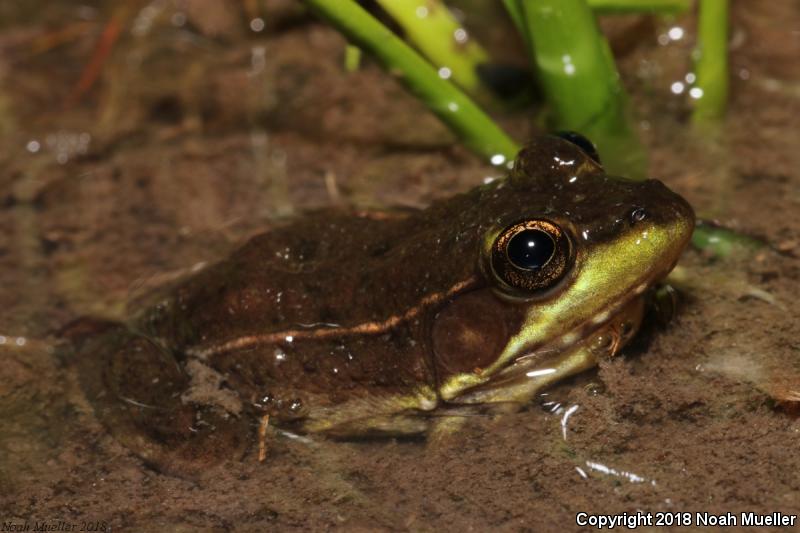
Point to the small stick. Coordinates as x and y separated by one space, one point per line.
102 51
262 438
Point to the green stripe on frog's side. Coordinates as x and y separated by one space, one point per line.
352 325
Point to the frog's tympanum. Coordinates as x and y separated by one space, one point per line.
355 324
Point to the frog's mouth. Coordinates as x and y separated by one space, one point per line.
602 337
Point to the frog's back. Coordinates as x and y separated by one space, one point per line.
331 269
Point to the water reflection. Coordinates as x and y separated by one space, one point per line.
624 474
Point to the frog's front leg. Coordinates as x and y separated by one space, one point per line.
148 401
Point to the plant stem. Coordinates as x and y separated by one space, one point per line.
666 7
723 242
352 58
606 7
449 103
517 15
711 62
579 79
431 28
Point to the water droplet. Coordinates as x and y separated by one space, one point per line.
33 146
445 73
257 24
675 33
460 35
677 87
498 159
569 67
696 93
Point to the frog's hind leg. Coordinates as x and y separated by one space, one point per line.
138 391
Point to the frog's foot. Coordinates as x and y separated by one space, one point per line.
450 419
378 426
152 406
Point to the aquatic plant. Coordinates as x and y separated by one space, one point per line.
572 60
476 129
578 77
711 64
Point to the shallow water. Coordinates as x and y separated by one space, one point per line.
199 133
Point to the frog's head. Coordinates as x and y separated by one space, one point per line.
567 255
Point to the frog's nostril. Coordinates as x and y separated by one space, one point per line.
638 214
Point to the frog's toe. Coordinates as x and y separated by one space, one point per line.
443 428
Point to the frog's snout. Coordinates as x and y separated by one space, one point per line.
673 219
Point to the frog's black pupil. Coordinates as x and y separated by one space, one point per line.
530 249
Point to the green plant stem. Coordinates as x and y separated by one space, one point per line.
433 30
606 7
723 242
449 103
710 92
352 58
517 16
665 7
579 79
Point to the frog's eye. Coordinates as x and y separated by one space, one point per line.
581 142
531 255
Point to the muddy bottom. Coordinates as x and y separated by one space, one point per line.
198 132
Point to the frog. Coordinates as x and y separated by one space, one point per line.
356 324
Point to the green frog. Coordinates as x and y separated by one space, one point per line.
354 324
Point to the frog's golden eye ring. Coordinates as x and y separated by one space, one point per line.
532 255
581 142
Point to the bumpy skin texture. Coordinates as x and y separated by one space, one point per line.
340 321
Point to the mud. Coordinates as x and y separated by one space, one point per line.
197 135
